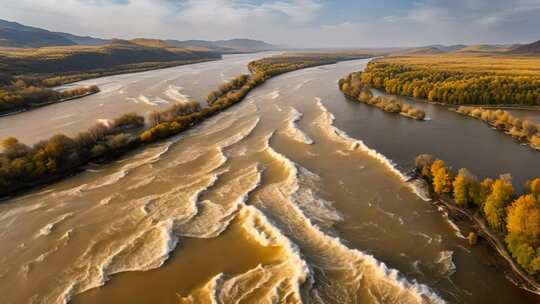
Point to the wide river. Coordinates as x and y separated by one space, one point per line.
287 197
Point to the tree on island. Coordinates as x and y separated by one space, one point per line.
500 196
442 180
462 187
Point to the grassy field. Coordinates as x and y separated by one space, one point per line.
500 64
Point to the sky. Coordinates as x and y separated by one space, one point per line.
299 23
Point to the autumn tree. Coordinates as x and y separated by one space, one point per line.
423 164
442 181
12 148
461 185
524 216
533 187
496 202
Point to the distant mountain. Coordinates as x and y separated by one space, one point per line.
225 45
428 50
486 48
13 34
431 49
84 40
448 48
531 49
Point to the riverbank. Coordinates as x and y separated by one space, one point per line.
458 215
523 131
24 168
33 106
520 278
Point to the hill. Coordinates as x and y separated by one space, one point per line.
232 45
486 48
76 58
428 50
448 48
531 49
13 34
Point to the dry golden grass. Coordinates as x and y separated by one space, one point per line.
466 62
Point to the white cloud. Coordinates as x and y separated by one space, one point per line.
308 23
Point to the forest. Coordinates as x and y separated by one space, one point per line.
458 79
353 87
523 130
514 216
22 166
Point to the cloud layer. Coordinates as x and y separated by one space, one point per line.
307 23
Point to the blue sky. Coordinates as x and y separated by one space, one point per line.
307 23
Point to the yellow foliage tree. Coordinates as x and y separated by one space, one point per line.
524 216
442 182
461 185
494 207
533 187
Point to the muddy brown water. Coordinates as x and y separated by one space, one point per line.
289 197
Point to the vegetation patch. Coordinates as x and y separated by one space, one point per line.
459 79
353 87
497 210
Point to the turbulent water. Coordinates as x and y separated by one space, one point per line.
268 202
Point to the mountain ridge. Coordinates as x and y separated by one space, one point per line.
14 34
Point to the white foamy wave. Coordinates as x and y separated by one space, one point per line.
175 93
239 136
456 229
362 271
294 270
105 122
301 84
213 217
145 100
420 188
155 154
275 95
326 123
293 131
50 226
146 250
205 294
446 262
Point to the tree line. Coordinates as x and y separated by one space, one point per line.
22 166
515 216
353 87
453 87
22 95
523 130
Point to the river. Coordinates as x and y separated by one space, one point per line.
286 197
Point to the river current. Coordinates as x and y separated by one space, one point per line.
288 197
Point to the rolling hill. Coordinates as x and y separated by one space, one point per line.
530 49
243 45
486 48
13 34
